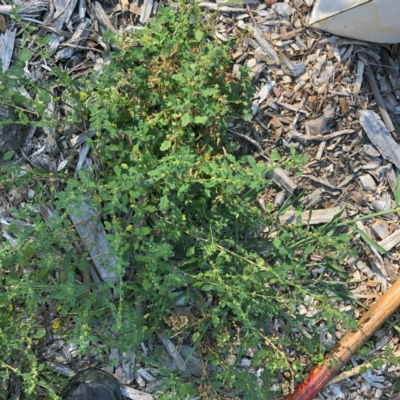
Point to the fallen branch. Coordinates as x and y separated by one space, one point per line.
321 138
347 347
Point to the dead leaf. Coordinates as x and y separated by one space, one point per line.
3 24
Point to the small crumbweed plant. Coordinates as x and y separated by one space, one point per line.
179 209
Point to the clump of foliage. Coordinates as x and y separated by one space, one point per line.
180 213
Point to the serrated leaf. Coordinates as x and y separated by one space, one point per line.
198 35
215 320
8 155
165 145
200 120
397 192
367 239
24 55
190 251
186 119
275 156
109 36
73 182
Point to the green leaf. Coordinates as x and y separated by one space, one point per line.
199 35
215 320
67 262
209 92
367 239
73 182
164 202
275 156
190 251
200 120
186 119
397 192
195 336
109 37
146 284
24 55
19 98
207 288
8 155
44 96
165 145
179 78
40 334
4 300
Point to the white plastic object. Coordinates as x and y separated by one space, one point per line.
371 20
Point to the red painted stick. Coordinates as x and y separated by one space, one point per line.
349 344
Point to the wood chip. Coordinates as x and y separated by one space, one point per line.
380 228
380 136
7 41
134 394
391 241
269 50
93 236
317 216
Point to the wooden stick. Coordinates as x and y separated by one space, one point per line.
390 72
379 101
348 346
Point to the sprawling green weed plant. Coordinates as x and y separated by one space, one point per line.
179 210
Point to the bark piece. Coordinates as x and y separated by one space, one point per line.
7 41
380 228
320 125
77 39
368 183
62 15
317 216
93 236
192 365
281 178
146 10
105 23
379 101
267 47
359 79
390 271
380 136
134 394
391 241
